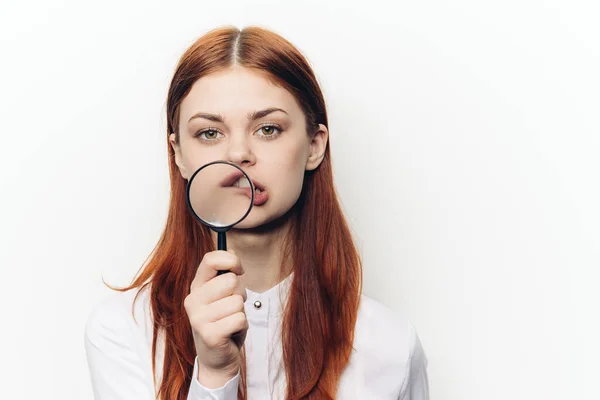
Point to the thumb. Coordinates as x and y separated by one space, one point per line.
232 251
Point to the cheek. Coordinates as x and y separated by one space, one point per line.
196 156
289 168
289 159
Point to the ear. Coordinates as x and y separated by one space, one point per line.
178 156
318 144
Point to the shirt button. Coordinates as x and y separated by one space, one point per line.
257 305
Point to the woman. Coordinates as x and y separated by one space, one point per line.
287 319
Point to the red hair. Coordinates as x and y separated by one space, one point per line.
320 315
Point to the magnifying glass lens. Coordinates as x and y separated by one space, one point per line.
220 194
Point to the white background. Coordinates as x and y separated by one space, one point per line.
465 139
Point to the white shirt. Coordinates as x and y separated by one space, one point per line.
388 361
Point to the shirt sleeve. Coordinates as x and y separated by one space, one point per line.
226 392
416 383
116 368
119 370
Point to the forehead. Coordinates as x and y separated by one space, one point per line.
234 92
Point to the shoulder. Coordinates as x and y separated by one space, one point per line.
116 314
387 335
388 360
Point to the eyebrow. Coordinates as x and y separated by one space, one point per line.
252 116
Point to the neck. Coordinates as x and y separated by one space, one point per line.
261 255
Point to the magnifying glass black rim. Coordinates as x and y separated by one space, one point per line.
218 228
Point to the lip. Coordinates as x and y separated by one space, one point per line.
259 198
231 178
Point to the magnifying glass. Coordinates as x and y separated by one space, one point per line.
220 195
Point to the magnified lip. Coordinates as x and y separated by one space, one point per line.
234 176
231 178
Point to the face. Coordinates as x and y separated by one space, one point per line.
237 115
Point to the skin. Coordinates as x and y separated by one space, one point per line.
274 150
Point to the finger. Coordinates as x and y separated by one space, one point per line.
223 308
215 261
231 324
218 288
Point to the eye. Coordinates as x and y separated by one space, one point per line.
209 134
269 131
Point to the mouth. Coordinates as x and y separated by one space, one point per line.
237 179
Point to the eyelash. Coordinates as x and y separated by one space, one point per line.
266 137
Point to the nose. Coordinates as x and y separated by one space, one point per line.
239 151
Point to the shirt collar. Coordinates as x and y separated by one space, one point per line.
274 299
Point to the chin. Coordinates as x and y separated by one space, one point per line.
262 219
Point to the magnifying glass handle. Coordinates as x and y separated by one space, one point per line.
221 241
221 245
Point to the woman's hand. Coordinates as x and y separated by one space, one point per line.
215 308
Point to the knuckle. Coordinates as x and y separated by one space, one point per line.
196 283
208 256
187 303
195 322
197 319
207 260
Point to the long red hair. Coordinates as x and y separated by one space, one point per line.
320 315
